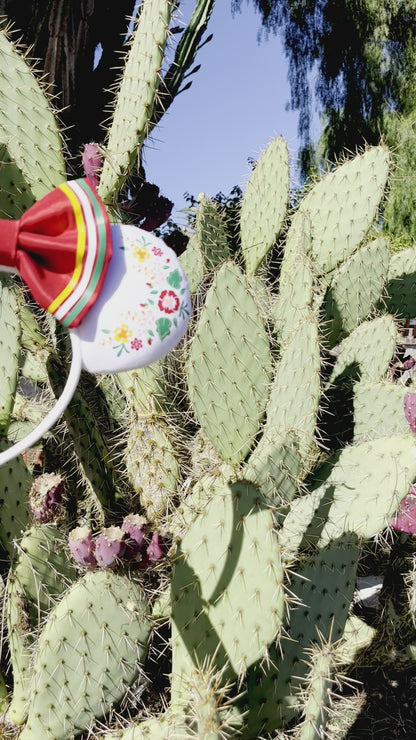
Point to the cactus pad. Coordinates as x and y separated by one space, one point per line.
15 194
230 364
136 95
322 589
401 284
10 356
378 410
88 654
211 235
356 288
342 206
361 490
264 203
227 587
152 466
294 397
296 284
370 347
15 483
27 123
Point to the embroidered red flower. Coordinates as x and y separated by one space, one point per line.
168 301
157 251
136 344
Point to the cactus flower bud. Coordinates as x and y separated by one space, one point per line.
82 546
154 551
409 405
135 528
405 519
110 546
92 162
45 497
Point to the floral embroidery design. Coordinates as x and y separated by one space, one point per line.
168 301
141 254
158 311
122 334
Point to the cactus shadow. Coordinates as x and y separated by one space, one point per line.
198 634
190 610
335 423
314 529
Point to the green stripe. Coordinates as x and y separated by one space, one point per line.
100 257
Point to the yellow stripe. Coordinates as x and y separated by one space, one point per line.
81 243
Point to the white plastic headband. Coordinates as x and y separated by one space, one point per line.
56 412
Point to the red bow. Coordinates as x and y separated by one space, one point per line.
61 247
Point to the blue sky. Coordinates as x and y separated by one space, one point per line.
237 102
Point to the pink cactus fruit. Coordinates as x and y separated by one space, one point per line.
409 363
82 547
45 497
110 546
409 405
405 519
135 528
92 162
155 550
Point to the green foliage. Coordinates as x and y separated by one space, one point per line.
363 59
399 212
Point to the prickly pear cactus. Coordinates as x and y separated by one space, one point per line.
198 576
78 674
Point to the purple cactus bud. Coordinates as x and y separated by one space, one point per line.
92 162
405 519
409 405
82 546
110 546
135 527
45 497
155 551
409 363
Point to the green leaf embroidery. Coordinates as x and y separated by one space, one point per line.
174 279
163 327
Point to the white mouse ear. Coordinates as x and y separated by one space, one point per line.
143 307
54 414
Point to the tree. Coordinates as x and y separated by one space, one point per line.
364 55
63 35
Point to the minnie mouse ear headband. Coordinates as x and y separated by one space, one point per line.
119 290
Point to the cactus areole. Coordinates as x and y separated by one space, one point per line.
119 290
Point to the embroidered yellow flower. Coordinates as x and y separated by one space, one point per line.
141 254
122 334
